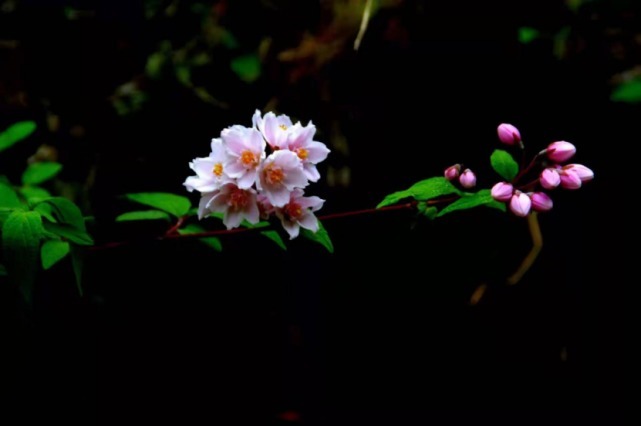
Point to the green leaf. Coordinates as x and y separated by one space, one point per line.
8 197
37 173
427 211
275 237
143 215
246 67
21 234
15 133
528 35
422 191
34 193
471 200
504 164
3 270
52 252
70 233
192 228
321 237
65 211
628 91
173 204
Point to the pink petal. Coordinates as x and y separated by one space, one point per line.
292 228
311 172
308 221
316 152
232 219
247 179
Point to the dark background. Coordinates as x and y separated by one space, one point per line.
382 330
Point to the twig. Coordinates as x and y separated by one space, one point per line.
364 22
537 244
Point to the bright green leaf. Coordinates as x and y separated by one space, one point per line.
468 201
21 234
275 237
8 197
628 91
15 133
52 252
321 237
528 34
143 215
37 173
173 204
65 211
504 164
422 191
70 233
192 228
247 67
34 193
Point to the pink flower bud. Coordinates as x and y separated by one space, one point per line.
550 178
541 202
502 191
520 204
509 134
468 179
570 180
581 171
560 151
452 172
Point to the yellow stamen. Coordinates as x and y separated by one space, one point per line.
302 153
273 175
218 169
282 127
248 159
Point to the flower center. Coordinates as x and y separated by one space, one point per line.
248 159
302 153
273 175
238 198
282 127
218 169
293 210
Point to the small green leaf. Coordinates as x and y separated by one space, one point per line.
34 193
70 233
173 204
628 91
246 67
8 197
37 173
321 237
21 234
15 133
143 215
192 228
528 35
504 164
422 191
65 211
275 237
470 200
430 212
52 252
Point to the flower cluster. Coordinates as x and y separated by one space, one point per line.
524 198
244 182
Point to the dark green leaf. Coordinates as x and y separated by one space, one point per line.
37 173
321 237
275 237
246 67
65 211
469 200
628 91
70 233
52 252
3 270
8 197
192 228
422 191
504 164
21 234
173 204
143 215
528 34
15 133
